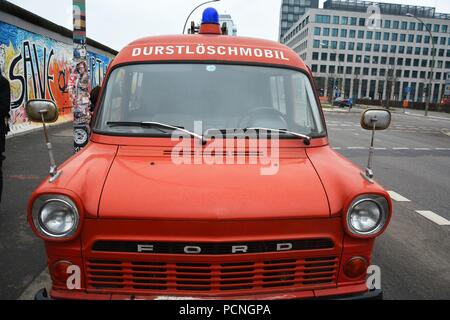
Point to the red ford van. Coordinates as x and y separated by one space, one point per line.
209 175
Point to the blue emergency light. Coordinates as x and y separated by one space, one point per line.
210 16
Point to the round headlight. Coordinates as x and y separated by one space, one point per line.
367 215
55 216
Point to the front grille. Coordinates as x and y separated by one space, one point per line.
212 248
152 277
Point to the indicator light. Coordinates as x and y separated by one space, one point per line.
356 267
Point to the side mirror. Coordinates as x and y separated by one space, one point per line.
45 111
42 111
376 119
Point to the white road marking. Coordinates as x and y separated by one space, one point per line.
393 148
336 127
398 197
430 215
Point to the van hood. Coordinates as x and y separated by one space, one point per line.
144 183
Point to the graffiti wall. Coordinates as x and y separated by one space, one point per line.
39 67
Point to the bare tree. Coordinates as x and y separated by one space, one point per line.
391 79
356 85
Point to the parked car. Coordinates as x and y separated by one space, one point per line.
135 216
343 102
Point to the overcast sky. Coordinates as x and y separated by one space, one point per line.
115 23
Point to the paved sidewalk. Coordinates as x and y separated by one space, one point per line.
22 253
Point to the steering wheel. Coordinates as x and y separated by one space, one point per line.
263 113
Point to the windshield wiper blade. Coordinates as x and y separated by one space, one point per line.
303 136
130 124
150 124
306 139
168 126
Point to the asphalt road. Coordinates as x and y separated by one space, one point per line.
22 253
412 159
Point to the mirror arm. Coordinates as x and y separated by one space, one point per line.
54 174
368 174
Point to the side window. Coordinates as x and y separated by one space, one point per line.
278 94
305 105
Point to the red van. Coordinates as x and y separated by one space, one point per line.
154 208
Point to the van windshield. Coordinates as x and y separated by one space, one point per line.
220 96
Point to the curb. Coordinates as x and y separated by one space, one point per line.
34 130
421 116
336 110
40 281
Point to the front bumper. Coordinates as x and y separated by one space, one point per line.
42 295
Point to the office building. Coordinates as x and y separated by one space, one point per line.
291 11
380 52
231 26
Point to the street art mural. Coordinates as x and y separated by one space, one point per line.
39 67
97 68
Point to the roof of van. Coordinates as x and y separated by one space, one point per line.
209 48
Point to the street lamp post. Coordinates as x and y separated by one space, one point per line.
190 14
79 78
433 54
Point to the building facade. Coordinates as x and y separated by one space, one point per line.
231 26
374 52
291 11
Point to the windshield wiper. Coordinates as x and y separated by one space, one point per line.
149 124
306 139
